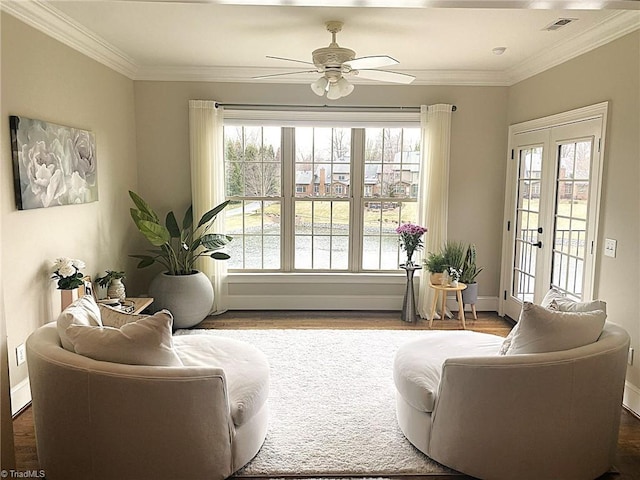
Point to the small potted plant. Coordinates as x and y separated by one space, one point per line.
469 273
454 276
113 283
436 264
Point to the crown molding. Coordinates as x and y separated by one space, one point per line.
54 23
616 26
47 19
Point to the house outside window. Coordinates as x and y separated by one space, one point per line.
307 199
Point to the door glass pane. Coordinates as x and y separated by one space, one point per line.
571 210
527 212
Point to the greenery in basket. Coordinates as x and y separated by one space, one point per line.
455 255
470 270
435 262
105 280
178 247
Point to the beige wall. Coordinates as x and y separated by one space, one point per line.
610 73
7 454
478 145
43 79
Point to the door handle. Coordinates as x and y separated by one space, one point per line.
537 244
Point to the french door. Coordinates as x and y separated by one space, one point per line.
551 208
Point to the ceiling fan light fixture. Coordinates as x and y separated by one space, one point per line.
334 91
344 87
319 87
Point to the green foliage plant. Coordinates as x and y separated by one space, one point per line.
178 247
435 262
105 280
470 270
454 254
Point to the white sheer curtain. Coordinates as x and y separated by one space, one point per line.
207 183
433 200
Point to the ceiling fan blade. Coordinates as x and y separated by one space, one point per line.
289 60
283 74
373 61
386 76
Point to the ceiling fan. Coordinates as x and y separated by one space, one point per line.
335 63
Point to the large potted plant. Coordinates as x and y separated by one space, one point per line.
181 289
469 273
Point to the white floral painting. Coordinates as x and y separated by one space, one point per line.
52 164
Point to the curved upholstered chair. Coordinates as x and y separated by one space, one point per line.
99 420
535 416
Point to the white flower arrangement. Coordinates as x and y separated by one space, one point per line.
67 272
454 274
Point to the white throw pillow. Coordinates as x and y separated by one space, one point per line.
145 342
84 311
115 318
542 330
550 296
565 304
554 299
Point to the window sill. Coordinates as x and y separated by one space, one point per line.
317 278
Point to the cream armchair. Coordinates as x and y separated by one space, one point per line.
545 416
103 421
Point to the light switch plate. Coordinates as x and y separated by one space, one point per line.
21 354
610 247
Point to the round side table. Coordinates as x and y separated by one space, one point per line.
441 291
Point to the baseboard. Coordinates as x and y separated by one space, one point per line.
484 304
20 396
314 302
338 302
631 399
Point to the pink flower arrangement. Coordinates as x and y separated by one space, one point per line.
410 239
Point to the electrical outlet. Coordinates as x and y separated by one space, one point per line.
21 354
610 247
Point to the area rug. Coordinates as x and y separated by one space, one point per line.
332 404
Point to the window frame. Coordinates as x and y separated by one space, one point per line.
356 189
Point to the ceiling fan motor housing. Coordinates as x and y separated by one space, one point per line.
333 57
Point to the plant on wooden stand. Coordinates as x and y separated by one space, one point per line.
469 273
436 264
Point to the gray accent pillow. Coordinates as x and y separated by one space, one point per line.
543 330
145 342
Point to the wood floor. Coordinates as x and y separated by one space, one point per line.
627 466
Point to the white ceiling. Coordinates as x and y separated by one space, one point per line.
218 41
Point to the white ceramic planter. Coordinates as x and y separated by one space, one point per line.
189 298
116 290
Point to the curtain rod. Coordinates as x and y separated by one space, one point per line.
334 108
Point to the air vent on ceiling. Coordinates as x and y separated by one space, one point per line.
561 22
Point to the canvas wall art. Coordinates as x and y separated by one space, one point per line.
52 164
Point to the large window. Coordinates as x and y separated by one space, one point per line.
319 198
